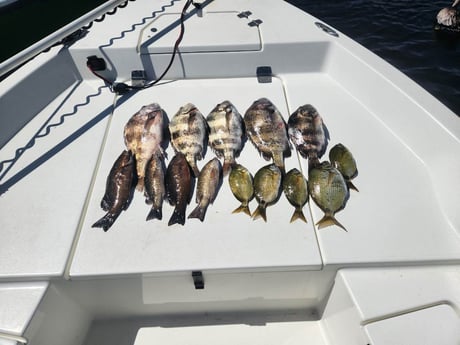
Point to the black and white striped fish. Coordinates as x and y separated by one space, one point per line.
189 134
226 132
308 133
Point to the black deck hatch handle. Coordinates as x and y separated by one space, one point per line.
198 280
264 74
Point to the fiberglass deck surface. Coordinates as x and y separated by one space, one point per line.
391 219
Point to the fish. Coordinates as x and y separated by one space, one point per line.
267 182
119 189
241 185
178 183
155 190
189 134
329 191
308 133
342 159
226 133
296 190
208 184
143 134
267 131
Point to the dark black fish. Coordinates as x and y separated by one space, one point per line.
178 183
154 190
119 189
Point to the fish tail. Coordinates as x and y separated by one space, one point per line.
298 214
199 212
106 222
155 213
178 217
329 220
195 169
279 162
227 167
243 208
140 183
351 186
313 162
260 212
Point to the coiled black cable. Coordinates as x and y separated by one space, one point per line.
121 88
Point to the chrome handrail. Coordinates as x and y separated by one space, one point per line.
57 36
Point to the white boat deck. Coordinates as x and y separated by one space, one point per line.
273 282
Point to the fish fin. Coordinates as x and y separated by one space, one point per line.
194 167
329 220
106 204
260 212
313 162
243 208
140 184
106 222
278 160
298 214
178 217
351 186
155 213
199 212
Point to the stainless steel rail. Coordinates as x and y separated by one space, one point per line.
57 36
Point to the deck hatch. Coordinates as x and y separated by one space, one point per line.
200 34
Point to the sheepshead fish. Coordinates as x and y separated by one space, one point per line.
296 190
308 133
342 159
119 189
154 190
226 131
189 132
178 181
267 182
241 185
267 130
329 191
143 136
208 185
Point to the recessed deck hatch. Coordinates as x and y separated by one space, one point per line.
202 34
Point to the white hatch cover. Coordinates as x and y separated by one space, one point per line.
208 32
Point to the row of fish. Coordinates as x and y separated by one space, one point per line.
328 185
225 130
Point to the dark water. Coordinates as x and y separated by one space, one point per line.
401 32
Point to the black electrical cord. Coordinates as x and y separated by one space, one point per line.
122 88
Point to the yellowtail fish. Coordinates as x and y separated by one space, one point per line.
143 135
189 134
342 159
178 182
267 182
308 133
119 189
209 182
296 190
329 191
154 190
241 185
267 130
226 131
